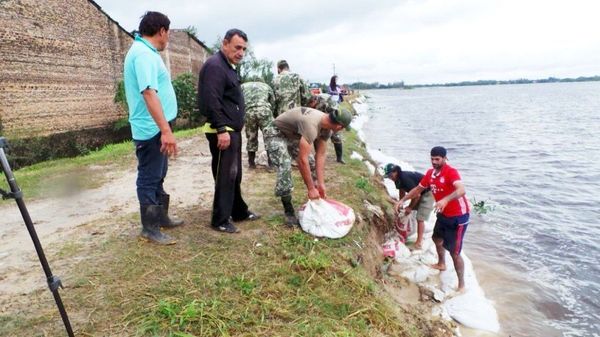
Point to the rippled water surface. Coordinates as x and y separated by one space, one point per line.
533 151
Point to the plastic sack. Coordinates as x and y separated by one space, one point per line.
473 311
326 218
394 248
406 224
390 248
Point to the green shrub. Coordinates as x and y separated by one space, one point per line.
120 97
121 123
481 207
185 91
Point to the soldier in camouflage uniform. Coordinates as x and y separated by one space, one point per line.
323 102
293 131
290 90
259 99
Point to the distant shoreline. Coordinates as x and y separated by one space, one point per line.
401 85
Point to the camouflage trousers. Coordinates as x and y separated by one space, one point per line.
336 138
282 151
259 118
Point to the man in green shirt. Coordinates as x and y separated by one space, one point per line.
152 107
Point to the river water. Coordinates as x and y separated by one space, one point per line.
533 153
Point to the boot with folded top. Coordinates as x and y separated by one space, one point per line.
151 222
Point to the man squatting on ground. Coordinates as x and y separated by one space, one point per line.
152 107
259 100
220 99
296 130
452 207
423 203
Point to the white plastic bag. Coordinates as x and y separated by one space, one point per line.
395 248
406 224
326 218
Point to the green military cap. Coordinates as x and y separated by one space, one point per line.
342 116
389 168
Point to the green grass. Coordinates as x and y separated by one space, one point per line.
267 281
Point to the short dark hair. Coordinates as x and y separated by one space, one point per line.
233 32
152 22
438 151
282 64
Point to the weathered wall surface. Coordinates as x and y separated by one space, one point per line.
184 54
60 62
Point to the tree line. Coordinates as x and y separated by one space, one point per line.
377 85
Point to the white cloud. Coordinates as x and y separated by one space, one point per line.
417 41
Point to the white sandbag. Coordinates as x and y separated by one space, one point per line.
406 224
370 167
394 248
473 311
391 189
416 274
326 218
356 155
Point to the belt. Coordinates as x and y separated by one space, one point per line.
206 128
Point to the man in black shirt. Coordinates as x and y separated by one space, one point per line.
406 181
221 101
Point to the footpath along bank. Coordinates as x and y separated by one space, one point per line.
265 281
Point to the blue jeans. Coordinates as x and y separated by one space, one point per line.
152 170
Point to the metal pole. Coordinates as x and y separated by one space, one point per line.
53 281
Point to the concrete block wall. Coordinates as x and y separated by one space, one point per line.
184 54
60 61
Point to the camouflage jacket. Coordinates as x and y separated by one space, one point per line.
290 91
325 103
258 95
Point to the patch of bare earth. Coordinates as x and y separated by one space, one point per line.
267 280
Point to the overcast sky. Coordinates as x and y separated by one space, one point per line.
418 42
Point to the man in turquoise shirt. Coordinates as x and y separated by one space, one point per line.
152 108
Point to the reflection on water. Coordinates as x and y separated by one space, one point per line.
532 150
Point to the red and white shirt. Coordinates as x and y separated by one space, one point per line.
442 185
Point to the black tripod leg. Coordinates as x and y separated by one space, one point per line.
53 281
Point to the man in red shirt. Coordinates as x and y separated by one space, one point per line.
452 210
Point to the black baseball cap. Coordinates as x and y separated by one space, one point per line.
389 168
438 151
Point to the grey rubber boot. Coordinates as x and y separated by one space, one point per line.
151 225
252 159
167 221
290 215
338 152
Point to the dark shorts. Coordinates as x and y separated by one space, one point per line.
451 230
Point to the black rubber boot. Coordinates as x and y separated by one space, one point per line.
290 215
165 220
151 225
251 159
338 152
269 161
